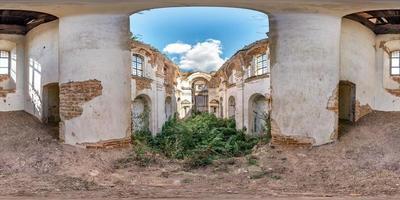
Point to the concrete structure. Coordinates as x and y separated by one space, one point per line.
86 50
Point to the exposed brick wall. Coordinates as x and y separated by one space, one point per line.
396 78
361 110
142 83
5 92
285 140
253 78
74 94
333 101
4 77
109 144
395 92
169 89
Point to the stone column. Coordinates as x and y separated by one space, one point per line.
94 78
304 78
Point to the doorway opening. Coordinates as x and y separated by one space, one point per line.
51 104
347 101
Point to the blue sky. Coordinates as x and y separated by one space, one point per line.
199 38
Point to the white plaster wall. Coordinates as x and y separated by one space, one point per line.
237 93
160 105
96 46
15 101
41 48
357 60
304 74
150 93
385 101
260 86
157 95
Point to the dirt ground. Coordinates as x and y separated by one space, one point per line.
365 162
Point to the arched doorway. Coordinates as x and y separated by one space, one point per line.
221 107
258 113
200 94
214 106
168 108
141 113
232 107
185 105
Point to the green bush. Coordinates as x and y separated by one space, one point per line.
199 139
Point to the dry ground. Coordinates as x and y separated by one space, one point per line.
365 162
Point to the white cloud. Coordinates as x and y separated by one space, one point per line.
204 56
177 48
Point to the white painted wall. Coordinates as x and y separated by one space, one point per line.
157 95
357 60
304 74
15 44
385 101
42 53
365 63
260 86
96 46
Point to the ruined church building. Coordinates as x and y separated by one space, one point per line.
73 63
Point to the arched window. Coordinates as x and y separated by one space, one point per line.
261 64
137 65
258 113
4 62
232 107
168 107
221 107
141 113
395 63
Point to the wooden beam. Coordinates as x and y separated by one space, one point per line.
362 20
387 29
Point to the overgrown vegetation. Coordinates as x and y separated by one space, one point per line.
197 140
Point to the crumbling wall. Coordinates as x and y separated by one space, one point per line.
5 91
387 96
285 139
244 83
361 110
74 94
357 64
41 65
142 83
304 73
159 80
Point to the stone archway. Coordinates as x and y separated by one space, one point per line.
232 107
141 113
258 113
168 108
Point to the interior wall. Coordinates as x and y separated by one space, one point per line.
51 103
384 100
357 60
16 45
42 54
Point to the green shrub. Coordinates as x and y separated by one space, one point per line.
198 140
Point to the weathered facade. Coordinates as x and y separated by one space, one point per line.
192 93
241 87
153 85
314 45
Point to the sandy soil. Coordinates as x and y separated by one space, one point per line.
365 162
